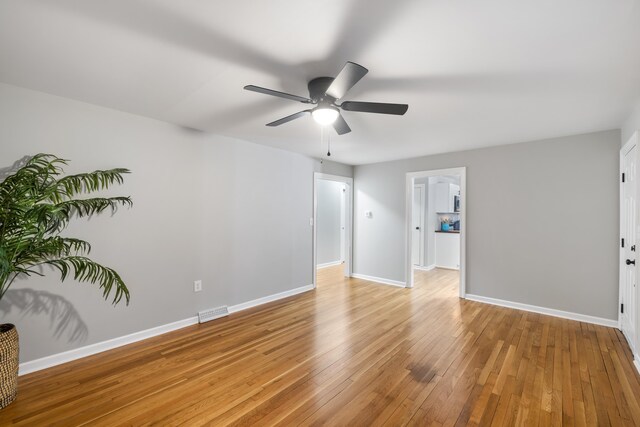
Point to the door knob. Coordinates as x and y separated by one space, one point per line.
629 262
417 228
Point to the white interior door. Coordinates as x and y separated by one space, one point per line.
628 266
346 228
343 223
418 224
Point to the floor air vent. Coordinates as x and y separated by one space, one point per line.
212 313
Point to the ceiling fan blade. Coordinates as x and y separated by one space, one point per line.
350 74
375 107
272 92
341 126
288 118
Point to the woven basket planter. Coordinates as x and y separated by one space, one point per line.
8 364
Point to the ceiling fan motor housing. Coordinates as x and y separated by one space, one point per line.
318 88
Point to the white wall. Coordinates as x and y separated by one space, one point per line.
329 219
542 221
231 213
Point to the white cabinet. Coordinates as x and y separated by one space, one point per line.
445 194
448 250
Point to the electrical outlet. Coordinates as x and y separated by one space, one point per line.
197 286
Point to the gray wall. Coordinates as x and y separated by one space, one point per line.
328 229
542 221
631 125
231 213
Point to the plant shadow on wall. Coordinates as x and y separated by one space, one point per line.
10 170
37 202
61 314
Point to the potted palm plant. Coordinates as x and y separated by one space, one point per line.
36 205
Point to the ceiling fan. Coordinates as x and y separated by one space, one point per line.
325 91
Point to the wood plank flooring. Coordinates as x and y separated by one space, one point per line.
350 353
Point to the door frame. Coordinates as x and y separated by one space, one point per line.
423 206
348 264
410 177
632 142
343 225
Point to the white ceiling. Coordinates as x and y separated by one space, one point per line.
474 73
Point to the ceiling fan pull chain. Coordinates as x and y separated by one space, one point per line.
328 145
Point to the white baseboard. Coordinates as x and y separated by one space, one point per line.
448 268
544 310
78 353
424 268
269 298
379 280
636 363
328 264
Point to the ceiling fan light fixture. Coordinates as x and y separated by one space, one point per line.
324 92
325 115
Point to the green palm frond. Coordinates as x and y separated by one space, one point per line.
50 248
86 270
36 204
71 185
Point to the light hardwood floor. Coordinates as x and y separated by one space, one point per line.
350 353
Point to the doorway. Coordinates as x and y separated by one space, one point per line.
628 240
332 225
436 226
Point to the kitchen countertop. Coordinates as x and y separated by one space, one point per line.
450 231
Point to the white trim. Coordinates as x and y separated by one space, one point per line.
424 268
269 298
632 142
343 223
379 280
328 264
447 268
78 353
348 264
636 363
410 177
329 177
544 310
423 207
